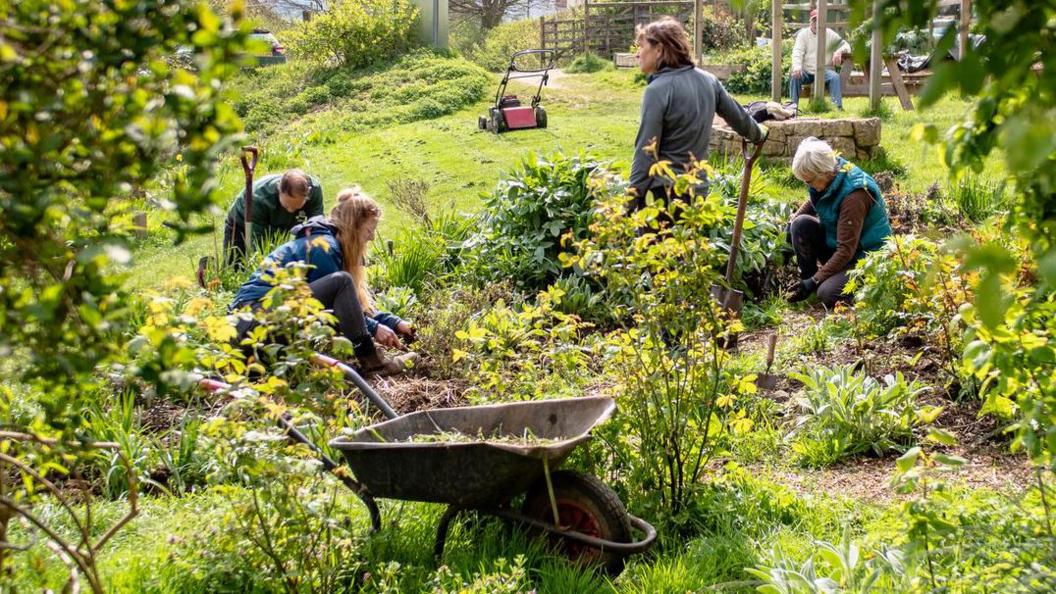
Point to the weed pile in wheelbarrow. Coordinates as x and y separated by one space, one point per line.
483 458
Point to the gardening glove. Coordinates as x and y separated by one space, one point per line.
802 290
766 132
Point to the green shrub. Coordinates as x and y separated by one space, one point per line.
494 50
448 311
755 79
587 64
544 203
910 282
523 353
844 413
675 393
357 33
719 32
422 84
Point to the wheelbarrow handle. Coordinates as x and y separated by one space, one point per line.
623 548
353 376
250 165
213 386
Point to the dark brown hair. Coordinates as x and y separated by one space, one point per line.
671 37
295 183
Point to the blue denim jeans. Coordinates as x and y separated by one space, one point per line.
832 80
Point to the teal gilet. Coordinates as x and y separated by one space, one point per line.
849 177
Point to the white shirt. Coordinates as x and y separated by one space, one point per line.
805 52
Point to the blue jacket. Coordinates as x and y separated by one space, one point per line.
849 177
323 260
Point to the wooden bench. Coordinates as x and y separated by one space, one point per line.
895 83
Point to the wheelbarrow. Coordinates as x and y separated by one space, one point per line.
502 451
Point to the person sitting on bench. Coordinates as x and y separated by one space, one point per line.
334 246
843 218
805 60
280 201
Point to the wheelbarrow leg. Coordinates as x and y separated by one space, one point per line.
375 513
441 530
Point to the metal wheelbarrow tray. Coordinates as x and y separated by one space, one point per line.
469 473
582 516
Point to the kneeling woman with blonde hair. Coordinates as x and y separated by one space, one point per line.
335 246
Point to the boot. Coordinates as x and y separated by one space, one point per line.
380 364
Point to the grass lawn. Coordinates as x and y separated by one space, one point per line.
587 112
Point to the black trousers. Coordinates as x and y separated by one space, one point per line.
808 242
337 293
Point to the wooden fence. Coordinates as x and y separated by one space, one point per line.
605 28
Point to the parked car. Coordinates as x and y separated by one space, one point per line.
265 39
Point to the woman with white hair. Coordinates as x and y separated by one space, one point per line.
844 218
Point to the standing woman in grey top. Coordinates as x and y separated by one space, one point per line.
678 107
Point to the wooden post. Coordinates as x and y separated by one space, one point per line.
586 26
139 224
899 85
823 51
777 24
542 32
697 48
966 21
876 60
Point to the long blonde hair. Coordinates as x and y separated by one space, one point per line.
354 209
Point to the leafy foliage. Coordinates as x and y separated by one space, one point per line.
90 111
419 84
492 48
917 286
831 567
755 79
674 391
844 413
527 352
357 33
533 214
73 152
1013 113
911 281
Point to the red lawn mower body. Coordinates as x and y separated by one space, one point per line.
508 113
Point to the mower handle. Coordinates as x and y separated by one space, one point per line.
530 52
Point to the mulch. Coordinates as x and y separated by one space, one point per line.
410 393
981 440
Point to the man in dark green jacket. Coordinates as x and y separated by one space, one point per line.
279 203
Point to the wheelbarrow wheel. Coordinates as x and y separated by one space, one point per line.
586 505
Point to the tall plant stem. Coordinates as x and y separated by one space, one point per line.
1044 501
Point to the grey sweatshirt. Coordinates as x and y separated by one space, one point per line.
677 110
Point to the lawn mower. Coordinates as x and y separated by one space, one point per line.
508 113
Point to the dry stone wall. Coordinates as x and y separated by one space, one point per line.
855 139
